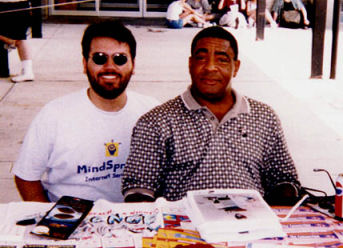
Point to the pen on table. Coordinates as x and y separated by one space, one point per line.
29 220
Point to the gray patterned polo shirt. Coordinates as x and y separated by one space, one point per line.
180 146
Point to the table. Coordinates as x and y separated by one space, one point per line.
140 225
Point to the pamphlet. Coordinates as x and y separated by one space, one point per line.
232 215
63 218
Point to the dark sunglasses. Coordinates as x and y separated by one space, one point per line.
101 58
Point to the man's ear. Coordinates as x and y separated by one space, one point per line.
84 62
237 64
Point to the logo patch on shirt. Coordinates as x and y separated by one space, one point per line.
112 149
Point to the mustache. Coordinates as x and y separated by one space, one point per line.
210 78
209 75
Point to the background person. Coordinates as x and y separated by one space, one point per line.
250 10
13 29
179 14
78 144
279 7
202 7
211 136
232 15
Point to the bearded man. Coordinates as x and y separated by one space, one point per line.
78 144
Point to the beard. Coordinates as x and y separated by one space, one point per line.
106 93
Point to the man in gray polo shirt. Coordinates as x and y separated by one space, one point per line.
210 136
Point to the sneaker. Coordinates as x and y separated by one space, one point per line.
23 78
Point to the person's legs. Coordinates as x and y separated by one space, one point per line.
14 33
198 19
186 19
275 15
270 19
304 14
209 17
251 17
24 53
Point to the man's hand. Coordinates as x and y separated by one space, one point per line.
137 197
284 194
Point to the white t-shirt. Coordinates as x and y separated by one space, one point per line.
79 150
174 10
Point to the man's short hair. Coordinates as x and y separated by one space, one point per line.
216 32
111 29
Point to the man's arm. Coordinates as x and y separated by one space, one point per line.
282 185
31 190
143 173
221 4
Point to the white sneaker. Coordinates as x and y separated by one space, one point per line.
207 24
23 78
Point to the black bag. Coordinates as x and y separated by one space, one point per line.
290 19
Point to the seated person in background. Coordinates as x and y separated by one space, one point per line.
290 13
231 13
211 136
250 10
78 144
202 7
179 13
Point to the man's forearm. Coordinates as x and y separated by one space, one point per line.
31 190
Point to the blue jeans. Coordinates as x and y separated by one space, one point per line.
177 24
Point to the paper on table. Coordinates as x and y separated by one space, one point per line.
12 212
11 233
232 215
24 210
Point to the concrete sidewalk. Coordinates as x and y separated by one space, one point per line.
275 71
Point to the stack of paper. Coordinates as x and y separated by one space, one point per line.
232 215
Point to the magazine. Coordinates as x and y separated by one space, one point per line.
63 218
232 215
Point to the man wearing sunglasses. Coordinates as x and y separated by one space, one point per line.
211 136
78 144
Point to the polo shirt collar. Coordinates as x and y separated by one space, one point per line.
241 105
